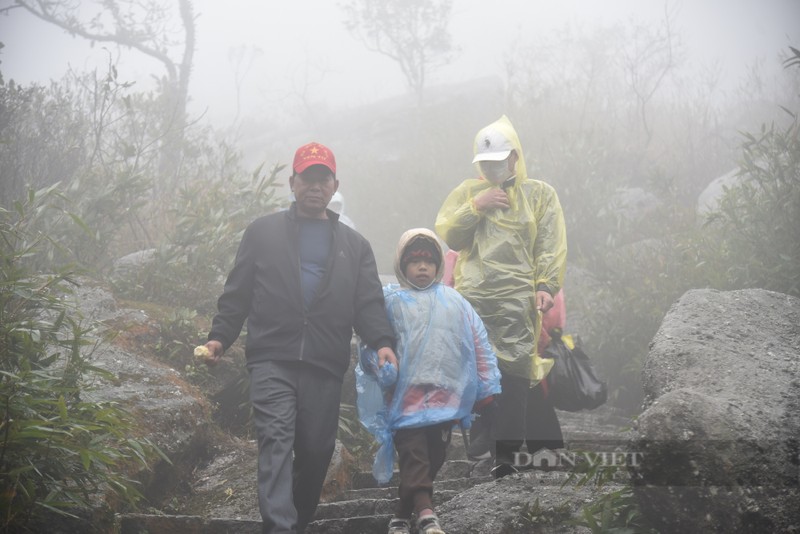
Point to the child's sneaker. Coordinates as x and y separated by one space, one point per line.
398 525
429 524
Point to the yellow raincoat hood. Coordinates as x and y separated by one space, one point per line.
504 255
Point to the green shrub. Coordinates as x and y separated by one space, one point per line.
73 133
58 452
210 217
636 286
616 511
758 219
750 241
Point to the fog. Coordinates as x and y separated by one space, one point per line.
271 75
260 58
630 123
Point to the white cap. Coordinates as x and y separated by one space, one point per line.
491 145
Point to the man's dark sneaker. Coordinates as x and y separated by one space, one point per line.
480 439
502 470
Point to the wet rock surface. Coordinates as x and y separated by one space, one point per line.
721 423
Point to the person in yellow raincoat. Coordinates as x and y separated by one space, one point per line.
511 240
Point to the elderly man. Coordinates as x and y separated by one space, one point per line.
303 281
510 234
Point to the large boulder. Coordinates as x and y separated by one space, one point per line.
633 203
169 411
719 432
709 199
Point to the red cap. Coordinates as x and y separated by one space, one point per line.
313 154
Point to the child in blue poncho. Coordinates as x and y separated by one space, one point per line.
446 369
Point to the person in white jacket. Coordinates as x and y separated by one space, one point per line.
337 204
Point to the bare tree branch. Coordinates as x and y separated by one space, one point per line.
413 33
651 57
122 35
151 28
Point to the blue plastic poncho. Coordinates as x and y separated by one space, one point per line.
446 362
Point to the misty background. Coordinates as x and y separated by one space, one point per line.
271 75
165 132
255 56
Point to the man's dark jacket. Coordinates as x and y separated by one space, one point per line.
264 288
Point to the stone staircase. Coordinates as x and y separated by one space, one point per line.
366 508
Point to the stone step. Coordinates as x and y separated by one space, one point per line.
184 524
389 492
373 524
362 511
374 506
450 469
367 508
359 514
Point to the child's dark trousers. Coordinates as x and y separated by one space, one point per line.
421 453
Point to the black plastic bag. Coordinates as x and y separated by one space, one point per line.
572 382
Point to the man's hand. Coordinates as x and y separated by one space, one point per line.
386 354
493 198
216 350
544 301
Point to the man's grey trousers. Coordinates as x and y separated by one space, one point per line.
295 408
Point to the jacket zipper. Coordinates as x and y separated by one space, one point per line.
303 337
305 317
293 243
